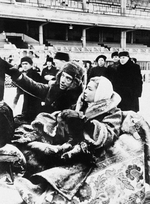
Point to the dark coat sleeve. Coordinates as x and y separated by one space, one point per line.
4 66
138 80
32 87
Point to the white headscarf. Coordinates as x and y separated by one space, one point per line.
104 89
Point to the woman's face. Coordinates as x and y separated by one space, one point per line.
89 92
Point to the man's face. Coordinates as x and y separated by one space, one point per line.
115 58
26 66
65 80
101 62
123 60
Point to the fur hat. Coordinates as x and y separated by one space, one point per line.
101 56
73 70
62 56
114 54
124 53
27 59
49 59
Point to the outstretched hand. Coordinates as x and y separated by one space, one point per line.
13 72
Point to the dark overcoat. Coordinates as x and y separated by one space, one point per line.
129 85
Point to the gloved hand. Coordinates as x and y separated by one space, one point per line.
74 151
68 113
13 72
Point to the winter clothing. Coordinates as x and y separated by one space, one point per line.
129 85
3 66
6 124
6 114
54 97
62 56
49 59
97 71
124 53
73 70
31 105
52 71
101 56
27 59
99 158
114 54
111 73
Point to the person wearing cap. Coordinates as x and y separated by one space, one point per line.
60 59
31 105
111 71
93 104
49 71
100 69
129 82
60 95
102 120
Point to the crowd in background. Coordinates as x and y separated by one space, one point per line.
121 74
75 114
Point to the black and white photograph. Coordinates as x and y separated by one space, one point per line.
74 101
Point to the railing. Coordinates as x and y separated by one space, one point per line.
113 7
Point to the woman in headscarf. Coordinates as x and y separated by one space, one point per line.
100 165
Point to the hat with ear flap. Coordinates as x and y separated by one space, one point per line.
104 89
73 69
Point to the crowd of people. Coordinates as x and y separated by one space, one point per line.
74 117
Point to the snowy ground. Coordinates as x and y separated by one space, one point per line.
144 101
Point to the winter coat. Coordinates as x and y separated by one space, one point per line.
97 71
6 124
55 99
129 85
107 161
31 105
111 73
46 71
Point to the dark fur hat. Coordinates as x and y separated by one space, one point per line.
74 70
101 56
124 53
114 54
27 59
62 56
49 59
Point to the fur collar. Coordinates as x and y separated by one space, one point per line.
99 107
